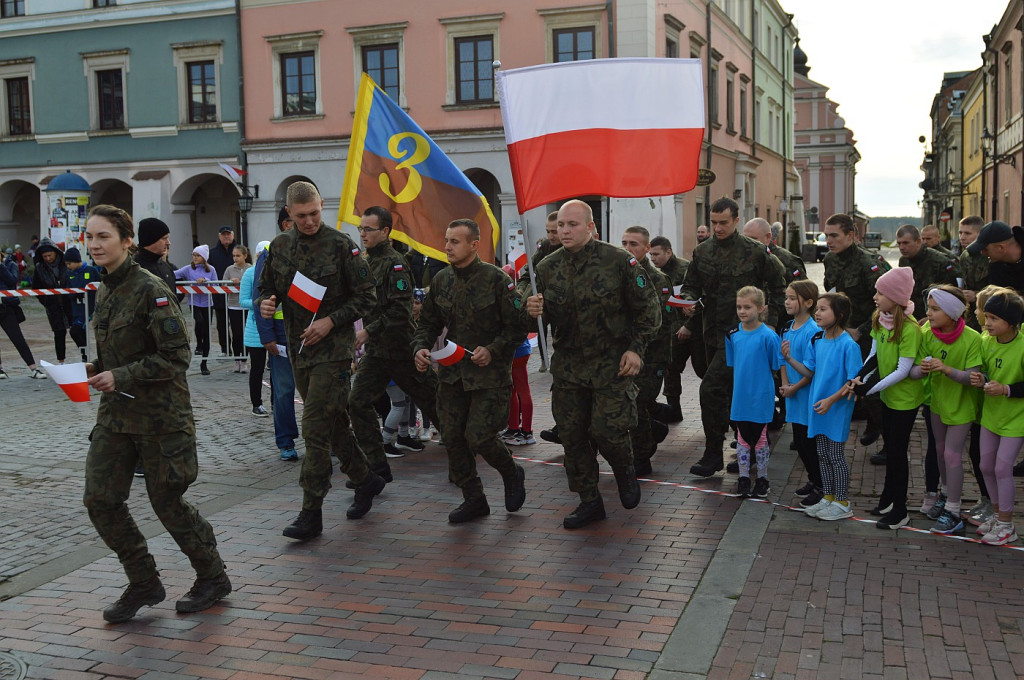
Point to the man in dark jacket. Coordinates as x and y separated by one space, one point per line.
51 272
220 259
154 242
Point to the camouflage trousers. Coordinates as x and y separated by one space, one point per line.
648 385
326 427
715 401
675 368
470 421
369 384
605 415
170 463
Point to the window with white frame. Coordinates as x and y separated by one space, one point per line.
295 60
473 43
16 114
107 77
379 51
12 8
673 29
574 33
198 67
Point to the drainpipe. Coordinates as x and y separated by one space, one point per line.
242 157
610 11
710 128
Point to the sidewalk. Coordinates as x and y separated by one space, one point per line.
688 585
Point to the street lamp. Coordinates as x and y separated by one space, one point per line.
244 206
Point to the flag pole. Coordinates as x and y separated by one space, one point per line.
541 340
303 343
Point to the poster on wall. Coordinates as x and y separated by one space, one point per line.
68 214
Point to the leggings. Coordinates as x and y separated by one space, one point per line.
259 363
974 451
896 428
201 315
9 322
396 421
933 472
237 322
997 457
807 449
950 440
520 409
835 471
752 436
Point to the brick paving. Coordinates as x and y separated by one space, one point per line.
402 594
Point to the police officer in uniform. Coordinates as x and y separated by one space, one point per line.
475 301
387 335
720 267
603 312
145 415
321 350
675 269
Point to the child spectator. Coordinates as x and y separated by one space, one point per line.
199 272
236 318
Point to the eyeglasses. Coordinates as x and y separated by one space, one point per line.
367 230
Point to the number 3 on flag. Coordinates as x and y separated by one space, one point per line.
419 154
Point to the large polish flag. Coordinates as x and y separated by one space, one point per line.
450 354
307 292
628 128
72 378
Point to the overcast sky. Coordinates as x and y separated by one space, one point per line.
883 62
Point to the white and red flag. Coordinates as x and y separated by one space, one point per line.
232 171
676 301
517 258
72 379
307 292
629 128
450 354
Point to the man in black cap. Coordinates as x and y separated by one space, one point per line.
220 259
1004 248
154 242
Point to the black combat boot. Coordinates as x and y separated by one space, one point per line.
643 467
135 597
515 489
382 472
365 492
309 524
709 464
659 430
629 488
551 435
587 512
470 509
204 594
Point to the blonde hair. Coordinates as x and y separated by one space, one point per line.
899 317
755 295
983 296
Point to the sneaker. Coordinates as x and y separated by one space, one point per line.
427 434
1001 534
289 454
242 366
880 509
835 511
928 503
509 437
135 597
469 510
938 508
810 500
804 490
205 593
743 487
407 443
586 513
259 411
980 513
3 374
988 525
392 452
893 520
761 487
947 523
524 439
817 507
235 369
139 470
36 374
309 524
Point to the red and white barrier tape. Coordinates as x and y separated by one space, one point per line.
43 292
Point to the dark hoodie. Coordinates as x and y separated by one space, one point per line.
55 275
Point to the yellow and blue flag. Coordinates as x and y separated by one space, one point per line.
394 164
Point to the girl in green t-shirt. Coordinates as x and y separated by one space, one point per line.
1002 416
895 339
950 352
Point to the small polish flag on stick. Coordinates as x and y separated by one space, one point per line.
307 292
676 301
517 258
72 379
232 171
450 354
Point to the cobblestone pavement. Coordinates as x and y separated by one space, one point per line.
690 584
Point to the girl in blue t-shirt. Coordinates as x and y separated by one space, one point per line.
801 299
833 361
752 350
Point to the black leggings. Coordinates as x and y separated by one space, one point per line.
237 322
9 322
201 315
259 363
896 428
808 452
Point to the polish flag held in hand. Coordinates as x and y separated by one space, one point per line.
450 354
307 292
72 379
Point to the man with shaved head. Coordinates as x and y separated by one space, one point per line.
793 268
933 239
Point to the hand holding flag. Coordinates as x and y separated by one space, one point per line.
72 379
308 294
450 354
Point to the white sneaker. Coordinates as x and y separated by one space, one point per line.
3 374
1001 534
835 511
36 374
817 507
988 525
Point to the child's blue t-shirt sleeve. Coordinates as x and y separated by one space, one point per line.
852 360
728 350
810 358
775 351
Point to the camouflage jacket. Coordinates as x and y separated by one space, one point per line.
720 267
601 304
853 272
390 324
975 270
675 270
930 267
142 339
793 268
330 258
659 349
478 306
544 248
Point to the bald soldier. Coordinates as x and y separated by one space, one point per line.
931 237
793 268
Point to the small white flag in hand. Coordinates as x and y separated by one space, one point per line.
72 379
